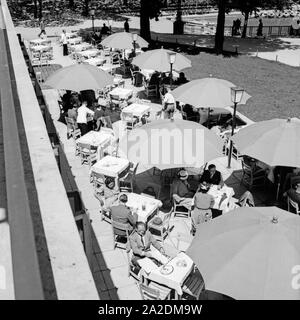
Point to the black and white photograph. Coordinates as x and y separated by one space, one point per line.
149 150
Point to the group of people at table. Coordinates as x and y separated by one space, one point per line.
199 202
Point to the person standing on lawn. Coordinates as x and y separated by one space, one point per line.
126 25
42 27
64 41
260 28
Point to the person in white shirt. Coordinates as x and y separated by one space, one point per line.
64 41
168 104
82 117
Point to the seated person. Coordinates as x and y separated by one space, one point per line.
113 113
131 54
181 190
191 114
154 80
203 202
121 213
108 193
75 100
140 242
72 113
294 193
290 178
66 100
212 176
182 79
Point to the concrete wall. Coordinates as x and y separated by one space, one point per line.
72 276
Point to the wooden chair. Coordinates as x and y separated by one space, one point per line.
97 179
130 119
85 152
133 271
154 291
75 135
104 214
132 73
150 90
193 286
253 176
120 241
179 209
294 205
92 159
160 232
126 182
71 126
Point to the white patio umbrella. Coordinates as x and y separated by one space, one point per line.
159 60
275 142
167 144
207 93
250 253
79 77
123 41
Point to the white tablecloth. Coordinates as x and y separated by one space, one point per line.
136 201
217 194
137 109
119 81
41 48
94 138
97 61
36 42
71 35
82 46
89 53
122 93
74 41
110 166
175 279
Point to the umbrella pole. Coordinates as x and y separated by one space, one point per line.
208 117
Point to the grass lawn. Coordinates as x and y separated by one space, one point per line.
274 87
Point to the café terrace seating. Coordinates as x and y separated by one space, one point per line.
154 291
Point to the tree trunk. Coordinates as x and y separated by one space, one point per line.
145 21
86 8
244 33
40 9
219 37
35 9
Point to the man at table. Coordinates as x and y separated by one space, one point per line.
168 104
203 202
181 191
121 213
212 176
82 117
72 113
140 242
294 193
